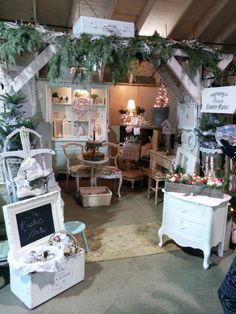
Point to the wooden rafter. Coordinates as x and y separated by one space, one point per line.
194 86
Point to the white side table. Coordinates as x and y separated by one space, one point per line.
195 221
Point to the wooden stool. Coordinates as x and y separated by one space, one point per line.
75 227
133 175
152 177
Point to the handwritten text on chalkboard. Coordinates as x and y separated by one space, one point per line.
35 224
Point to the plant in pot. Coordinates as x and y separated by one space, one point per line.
55 97
139 110
12 117
94 98
123 113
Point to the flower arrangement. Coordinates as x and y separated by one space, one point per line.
206 181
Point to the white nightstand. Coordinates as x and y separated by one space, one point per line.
195 221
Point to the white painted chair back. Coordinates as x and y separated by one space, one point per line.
186 160
11 160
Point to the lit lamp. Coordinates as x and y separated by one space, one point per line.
131 107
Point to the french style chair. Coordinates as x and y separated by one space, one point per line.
111 171
160 164
75 169
131 154
12 159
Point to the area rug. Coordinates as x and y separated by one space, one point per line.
125 241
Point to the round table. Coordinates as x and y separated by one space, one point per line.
93 164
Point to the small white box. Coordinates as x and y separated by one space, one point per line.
96 26
95 196
30 223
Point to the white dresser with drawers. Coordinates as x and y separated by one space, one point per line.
195 221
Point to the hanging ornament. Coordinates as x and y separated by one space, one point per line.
161 99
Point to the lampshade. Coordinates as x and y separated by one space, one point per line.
131 104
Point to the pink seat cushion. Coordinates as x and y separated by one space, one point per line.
79 169
109 170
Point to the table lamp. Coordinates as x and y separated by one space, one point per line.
131 107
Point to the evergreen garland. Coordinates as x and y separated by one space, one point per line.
89 53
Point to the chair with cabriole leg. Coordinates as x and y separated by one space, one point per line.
75 169
111 171
130 156
160 163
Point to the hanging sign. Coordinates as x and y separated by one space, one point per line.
219 99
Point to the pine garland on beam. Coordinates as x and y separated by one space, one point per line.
88 52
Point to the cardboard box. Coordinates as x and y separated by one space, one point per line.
30 223
95 196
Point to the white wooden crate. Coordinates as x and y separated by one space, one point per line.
29 224
37 288
96 26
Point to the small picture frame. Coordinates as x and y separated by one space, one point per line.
67 129
101 101
187 116
57 128
81 129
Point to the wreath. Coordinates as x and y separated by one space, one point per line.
81 106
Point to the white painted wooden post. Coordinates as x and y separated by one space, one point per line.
33 68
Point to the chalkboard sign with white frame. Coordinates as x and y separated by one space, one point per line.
32 221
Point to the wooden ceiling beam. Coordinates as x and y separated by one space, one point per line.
34 4
228 30
179 19
208 18
143 16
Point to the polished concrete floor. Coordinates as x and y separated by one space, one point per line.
173 282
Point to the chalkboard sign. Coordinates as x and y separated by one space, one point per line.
35 224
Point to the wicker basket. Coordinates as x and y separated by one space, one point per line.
95 196
71 248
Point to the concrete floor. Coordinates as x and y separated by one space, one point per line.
173 282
